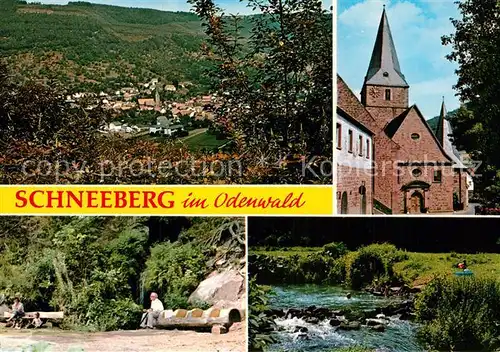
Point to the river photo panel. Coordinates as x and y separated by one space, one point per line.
373 284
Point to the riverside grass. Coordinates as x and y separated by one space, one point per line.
418 269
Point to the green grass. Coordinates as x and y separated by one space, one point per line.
419 268
287 252
422 267
204 140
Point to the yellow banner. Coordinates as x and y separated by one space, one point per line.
165 200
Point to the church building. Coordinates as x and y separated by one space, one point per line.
415 169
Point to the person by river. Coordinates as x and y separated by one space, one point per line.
150 317
17 313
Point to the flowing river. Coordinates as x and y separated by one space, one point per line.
399 336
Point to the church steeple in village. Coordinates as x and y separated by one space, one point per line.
440 126
385 85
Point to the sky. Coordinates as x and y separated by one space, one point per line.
230 6
417 27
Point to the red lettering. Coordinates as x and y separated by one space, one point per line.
218 202
105 200
120 199
92 197
149 199
170 203
57 198
78 201
32 199
21 198
134 197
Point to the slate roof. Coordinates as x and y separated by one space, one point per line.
384 66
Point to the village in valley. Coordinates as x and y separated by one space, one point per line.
154 109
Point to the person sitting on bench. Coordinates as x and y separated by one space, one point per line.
36 322
17 313
150 316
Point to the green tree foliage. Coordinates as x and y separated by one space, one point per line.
261 326
460 314
475 48
276 95
177 267
333 265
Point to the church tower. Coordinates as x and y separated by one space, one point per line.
440 130
385 90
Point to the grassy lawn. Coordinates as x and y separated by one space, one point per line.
422 267
204 140
419 268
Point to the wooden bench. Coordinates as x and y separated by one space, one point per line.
54 317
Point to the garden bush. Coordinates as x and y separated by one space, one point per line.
373 262
460 314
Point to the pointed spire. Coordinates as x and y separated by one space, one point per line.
384 66
440 134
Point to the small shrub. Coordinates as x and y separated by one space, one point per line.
261 326
460 314
335 249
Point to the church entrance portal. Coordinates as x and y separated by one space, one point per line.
416 205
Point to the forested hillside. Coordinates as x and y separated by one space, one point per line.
85 46
99 270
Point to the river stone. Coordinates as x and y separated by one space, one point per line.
227 286
375 322
293 313
379 328
406 316
312 320
322 313
355 325
279 313
301 329
338 312
335 322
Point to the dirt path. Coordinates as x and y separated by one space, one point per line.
135 340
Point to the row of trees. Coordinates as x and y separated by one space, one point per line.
475 48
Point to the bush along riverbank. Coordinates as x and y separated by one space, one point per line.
449 312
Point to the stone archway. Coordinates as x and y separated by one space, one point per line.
343 204
414 197
417 203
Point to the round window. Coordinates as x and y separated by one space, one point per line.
416 172
386 74
415 136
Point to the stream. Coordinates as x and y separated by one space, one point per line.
399 336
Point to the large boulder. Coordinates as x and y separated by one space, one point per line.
221 289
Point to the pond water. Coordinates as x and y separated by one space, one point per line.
399 336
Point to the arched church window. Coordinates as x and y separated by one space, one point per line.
387 94
416 172
415 136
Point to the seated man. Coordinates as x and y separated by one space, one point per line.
17 313
150 316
